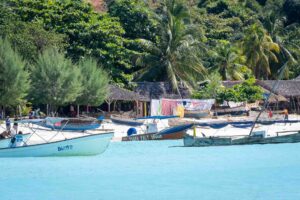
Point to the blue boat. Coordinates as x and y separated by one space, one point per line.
69 124
137 121
126 121
171 133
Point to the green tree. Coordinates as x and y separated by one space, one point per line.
229 61
28 38
260 50
176 56
137 19
14 79
292 10
243 92
94 81
287 37
212 89
55 80
90 33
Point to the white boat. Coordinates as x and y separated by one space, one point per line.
5 143
80 146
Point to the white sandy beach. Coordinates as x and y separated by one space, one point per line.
46 135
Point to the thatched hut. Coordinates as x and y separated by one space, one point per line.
290 89
157 90
120 94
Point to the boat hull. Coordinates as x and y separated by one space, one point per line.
128 122
72 127
80 146
190 141
172 133
196 114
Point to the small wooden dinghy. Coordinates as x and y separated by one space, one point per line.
80 146
126 121
196 114
176 132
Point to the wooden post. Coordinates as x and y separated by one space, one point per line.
136 107
145 109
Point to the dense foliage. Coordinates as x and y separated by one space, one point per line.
94 81
55 80
185 41
246 91
14 79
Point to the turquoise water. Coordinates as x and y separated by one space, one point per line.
157 170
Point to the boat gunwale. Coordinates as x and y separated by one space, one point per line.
34 145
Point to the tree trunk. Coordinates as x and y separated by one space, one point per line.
47 109
114 108
78 110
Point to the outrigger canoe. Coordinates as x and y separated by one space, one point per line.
80 146
70 124
176 132
257 138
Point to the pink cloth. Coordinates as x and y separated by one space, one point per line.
168 105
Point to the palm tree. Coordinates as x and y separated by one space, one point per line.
229 61
287 37
176 55
260 50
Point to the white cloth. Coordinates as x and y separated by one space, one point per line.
13 132
155 107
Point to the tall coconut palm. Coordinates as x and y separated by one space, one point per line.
176 55
229 61
260 50
284 36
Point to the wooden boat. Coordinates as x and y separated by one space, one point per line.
80 146
230 111
190 141
176 132
4 143
196 114
126 121
70 124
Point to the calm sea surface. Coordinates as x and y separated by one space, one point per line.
158 170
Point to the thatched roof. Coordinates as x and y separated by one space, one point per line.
286 88
157 90
272 99
116 94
